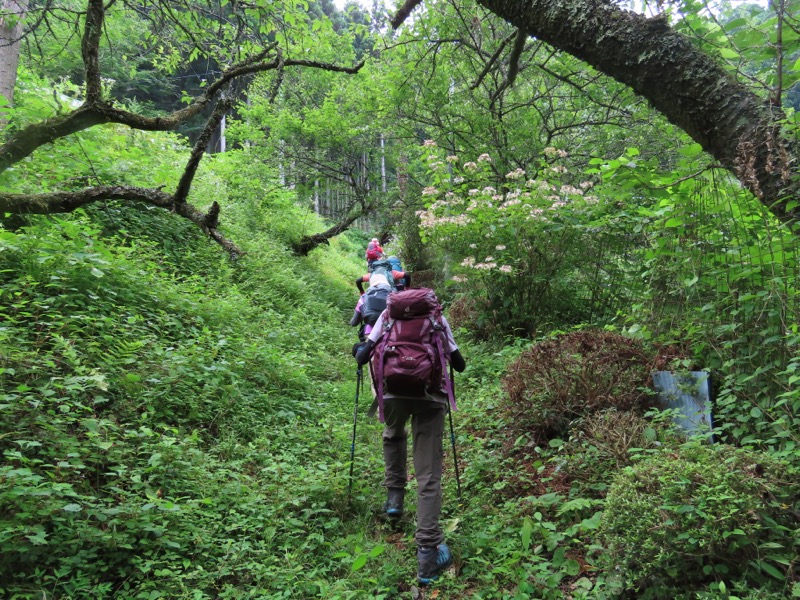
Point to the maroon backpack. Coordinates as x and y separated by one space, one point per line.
410 359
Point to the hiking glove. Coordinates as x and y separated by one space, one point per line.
457 361
357 347
364 351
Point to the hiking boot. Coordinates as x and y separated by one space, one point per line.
432 561
393 507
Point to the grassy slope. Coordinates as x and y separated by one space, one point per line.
177 426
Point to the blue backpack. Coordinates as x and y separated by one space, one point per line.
395 263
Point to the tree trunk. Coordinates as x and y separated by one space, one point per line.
12 13
731 123
383 164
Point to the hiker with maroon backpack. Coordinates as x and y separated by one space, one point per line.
410 345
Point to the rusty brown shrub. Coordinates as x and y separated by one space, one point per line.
575 375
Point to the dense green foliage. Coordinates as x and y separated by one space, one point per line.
696 515
174 424
151 394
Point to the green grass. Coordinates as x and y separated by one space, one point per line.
177 426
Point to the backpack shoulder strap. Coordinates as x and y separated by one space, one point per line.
387 326
439 337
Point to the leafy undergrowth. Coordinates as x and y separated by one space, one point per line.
177 426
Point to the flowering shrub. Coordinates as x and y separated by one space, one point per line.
525 246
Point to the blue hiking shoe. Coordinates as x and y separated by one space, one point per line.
393 507
432 561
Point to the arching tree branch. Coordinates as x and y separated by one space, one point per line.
309 242
732 124
404 12
98 110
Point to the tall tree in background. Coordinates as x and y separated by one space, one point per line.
12 13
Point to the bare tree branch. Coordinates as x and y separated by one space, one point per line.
309 242
492 61
64 202
25 141
98 110
199 149
516 53
404 12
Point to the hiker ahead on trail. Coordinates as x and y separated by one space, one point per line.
389 268
374 252
410 346
371 304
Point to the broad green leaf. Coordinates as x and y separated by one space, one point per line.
691 150
526 533
359 562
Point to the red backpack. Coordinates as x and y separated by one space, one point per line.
410 358
373 251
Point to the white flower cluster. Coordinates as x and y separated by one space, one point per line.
540 185
429 144
551 152
428 220
508 203
484 158
516 174
571 190
487 264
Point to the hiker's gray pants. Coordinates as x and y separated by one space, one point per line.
427 429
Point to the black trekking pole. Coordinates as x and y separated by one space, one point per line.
453 434
353 443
